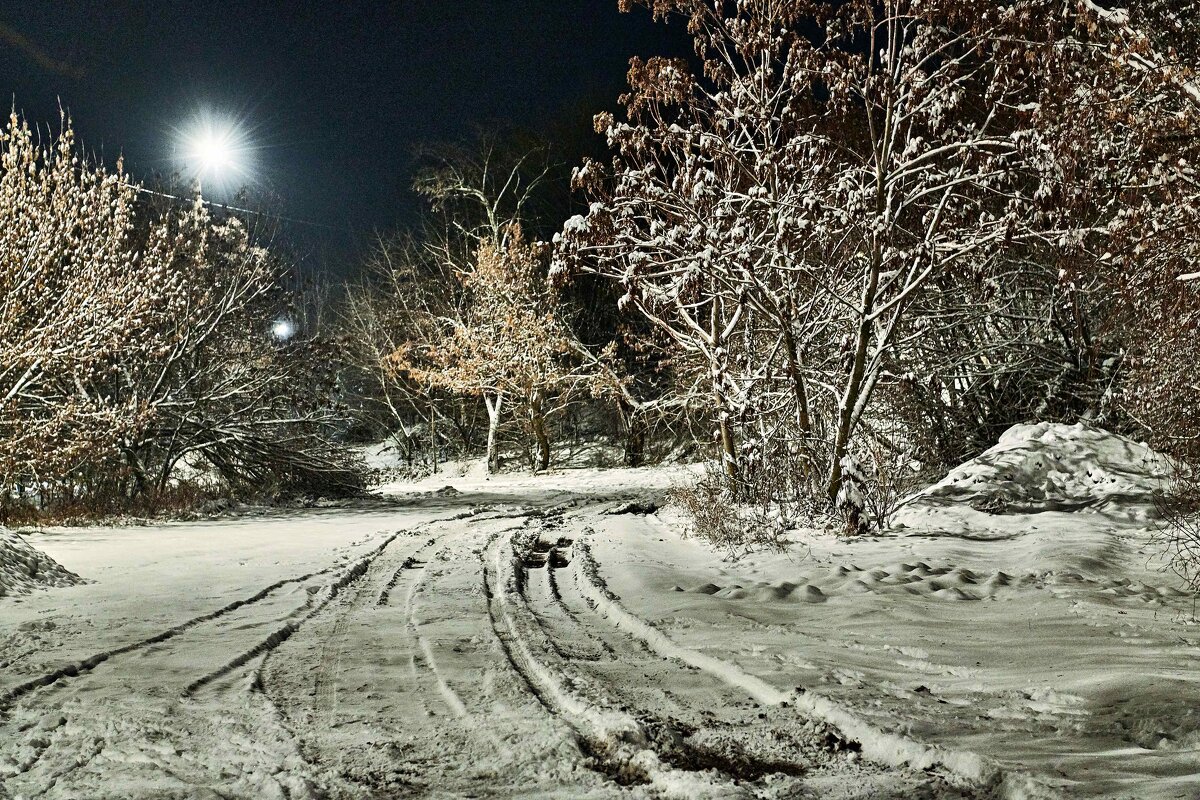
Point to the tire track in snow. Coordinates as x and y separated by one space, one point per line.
285 631
545 602
891 749
419 569
737 732
75 669
508 644
331 593
662 692
328 665
451 697
474 723
612 736
382 600
250 719
491 727
260 718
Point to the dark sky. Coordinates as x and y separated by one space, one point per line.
337 93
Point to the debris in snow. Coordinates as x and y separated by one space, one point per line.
640 507
24 568
1051 466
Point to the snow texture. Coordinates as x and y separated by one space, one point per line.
24 568
557 636
1054 466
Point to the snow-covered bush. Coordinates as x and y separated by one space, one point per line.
1162 393
1178 534
751 518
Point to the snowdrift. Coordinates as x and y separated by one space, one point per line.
1055 467
24 568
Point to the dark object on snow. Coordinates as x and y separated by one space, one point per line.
641 507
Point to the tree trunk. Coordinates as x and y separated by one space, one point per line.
433 441
800 393
493 410
537 421
635 435
729 462
720 372
139 473
164 474
854 382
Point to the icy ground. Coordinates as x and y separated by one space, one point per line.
513 638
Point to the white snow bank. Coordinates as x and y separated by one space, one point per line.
24 568
1051 466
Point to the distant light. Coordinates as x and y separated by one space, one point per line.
214 149
283 330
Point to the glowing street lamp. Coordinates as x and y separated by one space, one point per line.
215 151
283 330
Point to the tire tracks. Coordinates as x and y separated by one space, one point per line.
77 668
285 631
963 768
618 741
331 593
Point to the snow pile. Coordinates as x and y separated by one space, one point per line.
24 568
1051 466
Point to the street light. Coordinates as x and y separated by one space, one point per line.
214 150
283 330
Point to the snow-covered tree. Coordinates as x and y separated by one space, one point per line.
1119 112
224 387
136 337
508 346
839 181
74 292
782 214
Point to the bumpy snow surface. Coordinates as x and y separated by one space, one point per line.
1049 465
24 568
543 637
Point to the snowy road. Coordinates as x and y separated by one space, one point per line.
517 639
445 649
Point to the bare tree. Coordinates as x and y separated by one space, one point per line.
508 347
407 293
840 183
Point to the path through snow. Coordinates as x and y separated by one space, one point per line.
512 638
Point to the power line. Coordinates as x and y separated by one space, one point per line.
227 207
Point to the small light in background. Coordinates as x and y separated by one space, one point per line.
283 329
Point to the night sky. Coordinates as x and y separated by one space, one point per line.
337 94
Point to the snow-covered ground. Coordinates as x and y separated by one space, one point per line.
512 637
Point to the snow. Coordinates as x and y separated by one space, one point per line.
24 568
1050 465
557 636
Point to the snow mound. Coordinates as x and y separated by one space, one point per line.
24 568
1051 466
